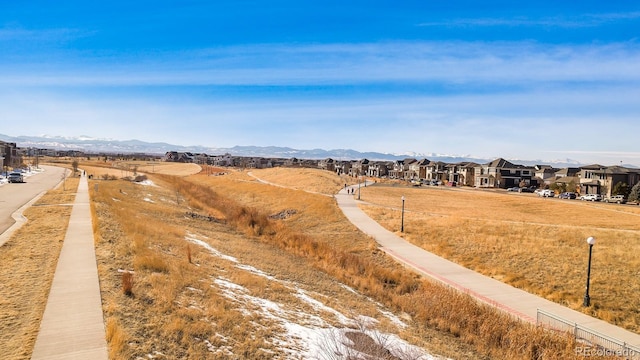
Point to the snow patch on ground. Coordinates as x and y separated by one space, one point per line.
191 238
307 335
146 183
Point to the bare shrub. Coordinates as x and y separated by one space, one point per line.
127 283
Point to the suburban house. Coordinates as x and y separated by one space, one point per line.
501 173
342 167
417 169
359 167
176 156
546 173
400 169
222 160
437 170
8 155
396 171
598 179
379 168
591 179
461 173
327 164
567 172
422 166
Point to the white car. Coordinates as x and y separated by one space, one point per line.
547 193
591 197
15 177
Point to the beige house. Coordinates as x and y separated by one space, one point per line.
598 179
501 173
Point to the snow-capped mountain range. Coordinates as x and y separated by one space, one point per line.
91 144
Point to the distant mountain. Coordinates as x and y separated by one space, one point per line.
90 144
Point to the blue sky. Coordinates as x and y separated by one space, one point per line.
546 80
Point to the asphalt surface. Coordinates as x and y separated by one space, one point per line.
15 196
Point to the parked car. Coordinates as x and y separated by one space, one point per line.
567 195
591 197
15 177
547 193
525 190
515 189
618 199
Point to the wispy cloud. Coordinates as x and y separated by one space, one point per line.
581 21
16 33
454 63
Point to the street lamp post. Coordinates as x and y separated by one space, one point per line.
358 187
402 216
587 300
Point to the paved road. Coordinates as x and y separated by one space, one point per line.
15 196
512 300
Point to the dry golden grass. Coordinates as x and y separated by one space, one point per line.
312 180
178 301
121 168
533 243
27 264
187 295
354 267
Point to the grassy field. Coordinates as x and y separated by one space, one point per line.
537 244
177 279
27 264
185 242
317 217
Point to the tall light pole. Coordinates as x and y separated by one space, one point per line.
587 300
358 187
402 216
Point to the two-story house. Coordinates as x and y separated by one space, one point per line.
360 167
415 169
379 168
501 173
598 179
437 170
327 164
343 167
462 173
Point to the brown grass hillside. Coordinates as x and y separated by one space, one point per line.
295 236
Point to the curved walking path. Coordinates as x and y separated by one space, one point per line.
72 326
517 302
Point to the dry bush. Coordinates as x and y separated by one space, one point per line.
127 283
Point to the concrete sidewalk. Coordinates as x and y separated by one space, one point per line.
73 326
512 300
